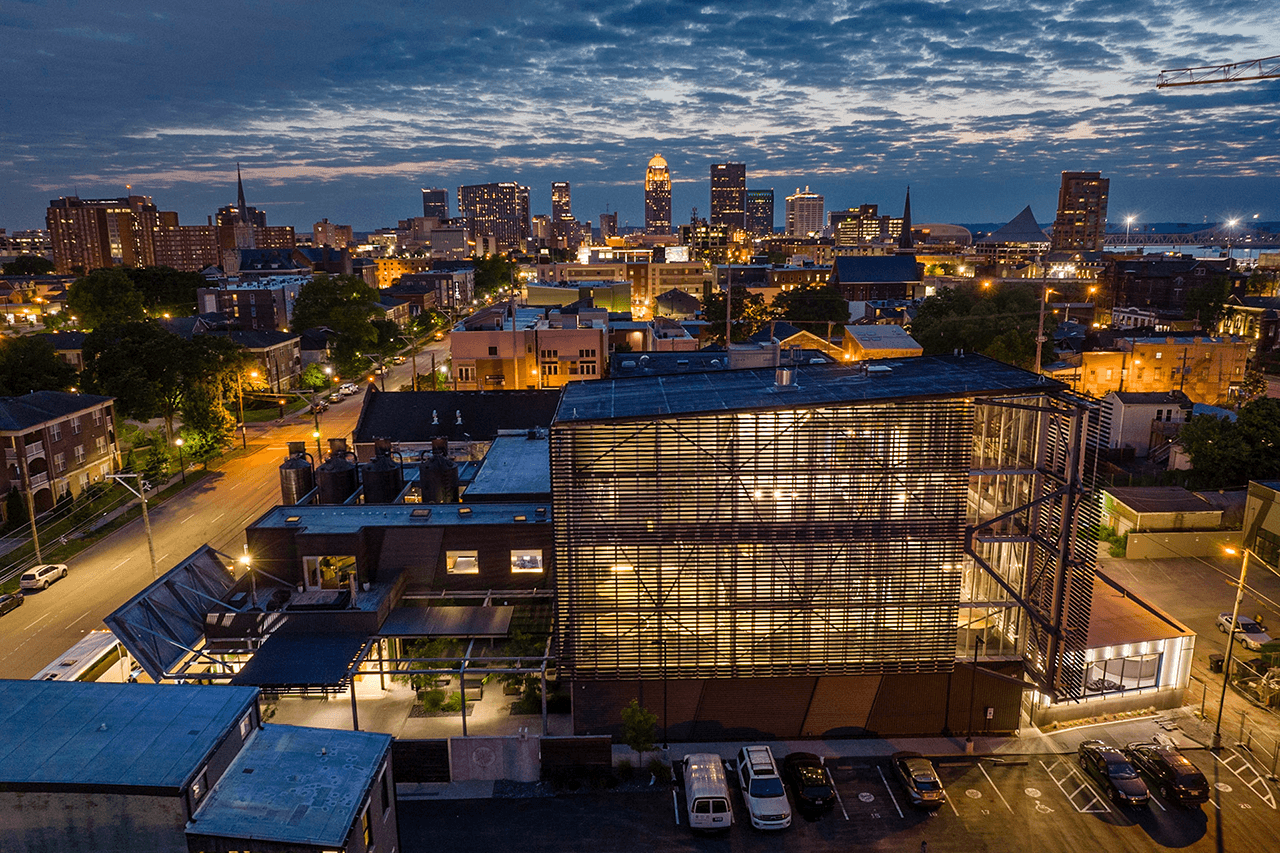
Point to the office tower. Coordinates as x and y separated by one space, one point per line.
608 225
804 213
92 233
326 233
729 195
1082 212
435 202
759 212
499 211
561 201
905 243
657 197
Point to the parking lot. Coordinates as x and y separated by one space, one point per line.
1024 803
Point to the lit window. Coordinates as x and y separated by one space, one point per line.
526 562
462 563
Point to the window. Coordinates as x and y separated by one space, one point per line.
100 443
551 353
493 350
84 481
97 417
462 563
386 792
328 572
75 426
467 374
79 453
587 368
55 432
366 828
1159 355
200 786
527 561
246 724
586 353
59 462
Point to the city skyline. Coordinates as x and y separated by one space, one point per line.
979 108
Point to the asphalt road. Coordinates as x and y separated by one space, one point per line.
214 511
1042 803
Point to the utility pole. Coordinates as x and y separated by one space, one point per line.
20 450
1040 338
1231 642
140 492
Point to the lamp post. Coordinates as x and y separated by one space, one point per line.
140 492
244 438
247 562
1231 226
978 643
181 466
1128 223
1040 338
1231 636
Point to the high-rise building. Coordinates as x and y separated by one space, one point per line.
729 195
327 233
805 213
499 211
608 225
657 197
759 212
93 233
567 233
435 202
1082 212
561 201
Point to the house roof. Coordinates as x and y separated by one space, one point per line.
152 736
262 338
66 341
1023 228
874 269
1151 398
1152 499
22 413
1116 618
419 416
882 336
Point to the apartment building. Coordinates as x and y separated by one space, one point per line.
55 443
508 347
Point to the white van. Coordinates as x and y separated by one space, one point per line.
706 793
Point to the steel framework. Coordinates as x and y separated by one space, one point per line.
1232 72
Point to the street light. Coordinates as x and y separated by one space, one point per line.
1128 223
1231 636
247 562
244 438
1231 226
181 466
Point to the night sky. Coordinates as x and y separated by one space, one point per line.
344 110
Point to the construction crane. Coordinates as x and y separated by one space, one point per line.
1233 72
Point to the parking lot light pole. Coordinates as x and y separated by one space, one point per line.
978 643
1231 636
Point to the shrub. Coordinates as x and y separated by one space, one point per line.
626 770
661 773
453 703
433 700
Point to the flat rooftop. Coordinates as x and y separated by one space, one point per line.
514 465
1118 619
349 519
812 386
141 736
1147 499
293 785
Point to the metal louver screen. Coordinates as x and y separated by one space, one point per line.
774 543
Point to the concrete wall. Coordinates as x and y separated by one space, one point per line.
482 758
1157 546
63 822
1161 700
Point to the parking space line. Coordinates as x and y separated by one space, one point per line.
994 788
1248 774
950 802
835 790
890 790
675 804
1073 774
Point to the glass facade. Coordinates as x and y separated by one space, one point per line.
762 543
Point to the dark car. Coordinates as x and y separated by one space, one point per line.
1169 772
10 601
1111 769
810 782
917 775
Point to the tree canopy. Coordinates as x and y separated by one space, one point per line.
999 321
1225 454
1205 302
811 306
28 265
31 364
493 273
750 314
165 286
105 297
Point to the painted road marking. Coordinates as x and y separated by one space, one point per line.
1091 802
38 621
997 790
890 790
973 794
1249 775
867 797
118 565
675 804
950 802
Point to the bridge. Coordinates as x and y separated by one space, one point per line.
1219 236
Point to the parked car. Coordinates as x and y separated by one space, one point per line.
1113 772
1248 632
336 397
706 793
10 601
917 775
348 388
811 784
319 406
40 577
1169 772
762 788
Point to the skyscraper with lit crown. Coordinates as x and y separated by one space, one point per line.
657 197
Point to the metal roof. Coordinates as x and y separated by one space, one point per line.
293 785
812 386
448 621
151 736
302 660
18 414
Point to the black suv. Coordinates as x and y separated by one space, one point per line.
10 601
1111 769
1169 772
810 782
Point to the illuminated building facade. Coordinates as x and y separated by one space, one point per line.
834 538
805 213
729 195
759 212
435 202
1081 222
499 211
657 197
92 233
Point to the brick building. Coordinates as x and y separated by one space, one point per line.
55 443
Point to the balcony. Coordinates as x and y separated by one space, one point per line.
35 448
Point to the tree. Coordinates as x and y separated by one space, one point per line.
32 364
28 265
314 377
493 273
207 426
750 314
105 297
999 322
344 303
1252 387
165 286
1206 302
1226 454
140 364
639 728
812 305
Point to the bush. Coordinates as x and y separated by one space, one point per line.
626 770
433 700
453 703
661 773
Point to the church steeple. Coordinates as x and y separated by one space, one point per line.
904 240
240 205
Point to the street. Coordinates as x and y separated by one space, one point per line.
215 511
